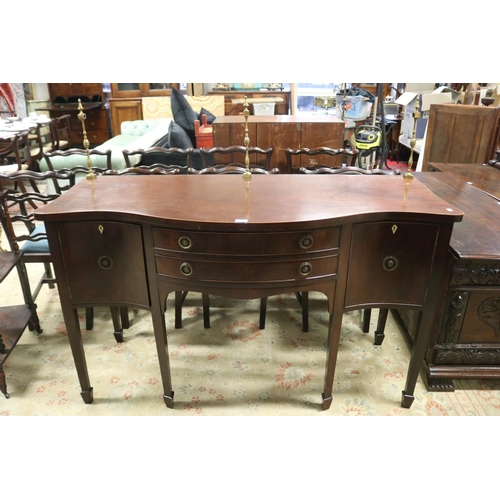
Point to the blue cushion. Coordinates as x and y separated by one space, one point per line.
41 246
210 116
178 138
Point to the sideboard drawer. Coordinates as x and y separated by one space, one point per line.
194 242
255 271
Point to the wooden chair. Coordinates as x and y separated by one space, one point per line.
319 158
41 142
229 169
348 171
61 132
22 232
81 168
155 169
158 156
303 297
235 156
460 134
14 318
232 169
8 162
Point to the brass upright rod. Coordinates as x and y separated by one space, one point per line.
81 116
246 141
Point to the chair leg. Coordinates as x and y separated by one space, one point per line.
379 332
89 318
179 300
48 274
117 324
263 311
34 323
3 383
305 311
303 298
367 314
206 309
124 317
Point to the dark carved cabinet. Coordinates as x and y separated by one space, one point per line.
466 332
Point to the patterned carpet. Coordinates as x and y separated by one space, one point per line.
233 368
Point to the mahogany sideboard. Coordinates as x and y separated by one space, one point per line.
465 338
362 241
280 132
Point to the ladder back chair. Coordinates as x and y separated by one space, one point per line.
24 234
319 158
52 160
61 132
14 318
235 156
303 296
159 156
155 169
224 170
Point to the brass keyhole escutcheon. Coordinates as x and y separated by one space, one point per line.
306 242
186 269
390 263
105 262
185 242
394 229
101 228
305 268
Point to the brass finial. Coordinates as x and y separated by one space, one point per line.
246 141
81 116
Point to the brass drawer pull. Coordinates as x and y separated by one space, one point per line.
306 242
186 269
105 262
305 268
185 242
390 263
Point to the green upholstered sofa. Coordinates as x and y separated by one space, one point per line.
137 134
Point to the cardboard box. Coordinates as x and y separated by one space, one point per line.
425 99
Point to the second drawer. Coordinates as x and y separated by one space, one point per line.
247 272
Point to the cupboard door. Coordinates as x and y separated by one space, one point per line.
122 110
395 270
104 262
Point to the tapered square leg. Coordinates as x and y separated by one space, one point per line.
407 399
88 396
169 400
327 402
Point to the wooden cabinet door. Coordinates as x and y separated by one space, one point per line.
122 110
104 261
397 270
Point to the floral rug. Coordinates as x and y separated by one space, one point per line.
231 369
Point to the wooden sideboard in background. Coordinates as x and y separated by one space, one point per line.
280 132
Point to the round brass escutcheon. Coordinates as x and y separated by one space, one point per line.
307 241
305 268
105 262
390 263
185 242
186 269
